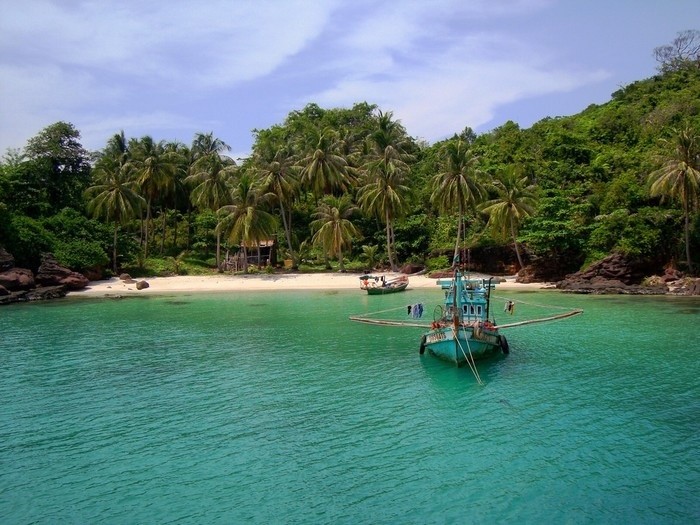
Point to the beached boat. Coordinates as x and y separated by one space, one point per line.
380 285
463 329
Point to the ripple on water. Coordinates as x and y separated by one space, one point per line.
230 408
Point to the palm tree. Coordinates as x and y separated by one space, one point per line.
385 193
211 180
515 200
114 198
117 149
333 228
679 177
279 179
205 144
324 170
370 253
245 222
457 186
155 168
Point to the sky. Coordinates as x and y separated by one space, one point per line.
170 69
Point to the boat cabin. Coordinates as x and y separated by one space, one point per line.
471 300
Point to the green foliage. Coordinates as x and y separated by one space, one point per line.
444 230
437 263
80 255
412 236
27 240
63 163
591 169
558 229
81 243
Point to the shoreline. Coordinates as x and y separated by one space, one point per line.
260 282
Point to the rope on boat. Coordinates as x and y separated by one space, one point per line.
469 359
541 319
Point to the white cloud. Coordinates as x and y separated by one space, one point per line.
153 67
437 90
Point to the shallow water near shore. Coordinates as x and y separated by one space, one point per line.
273 407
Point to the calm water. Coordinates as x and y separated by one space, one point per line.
274 408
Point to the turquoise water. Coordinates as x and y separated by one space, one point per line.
274 408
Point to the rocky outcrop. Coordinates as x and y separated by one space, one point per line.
617 275
141 285
16 279
51 274
20 284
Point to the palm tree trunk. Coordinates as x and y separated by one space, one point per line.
389 252
218 250
114 248
176 226
460 227
165 227
288 235
148 225
515 243
687 240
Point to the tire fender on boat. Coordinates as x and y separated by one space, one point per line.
421 351
504 344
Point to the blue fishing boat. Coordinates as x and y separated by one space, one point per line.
463 330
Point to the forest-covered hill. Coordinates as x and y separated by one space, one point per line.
350 187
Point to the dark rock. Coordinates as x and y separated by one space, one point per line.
4 291
141 285
7 261
94 274
411 268
17 279
47 292
37 294
685 286
694 287
125 277
613 275
51 274
671 274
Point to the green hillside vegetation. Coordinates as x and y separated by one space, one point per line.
350 189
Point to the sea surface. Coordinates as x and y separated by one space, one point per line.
273 407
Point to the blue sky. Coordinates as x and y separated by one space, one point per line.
172 68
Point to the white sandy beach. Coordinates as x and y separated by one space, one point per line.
258 282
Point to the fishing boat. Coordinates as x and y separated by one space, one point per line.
463 330
380 285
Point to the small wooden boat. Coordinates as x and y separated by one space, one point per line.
380 285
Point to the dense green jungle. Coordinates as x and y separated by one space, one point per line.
350 189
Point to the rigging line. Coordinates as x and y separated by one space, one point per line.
382 311
532 304
471 364
387 322
541 319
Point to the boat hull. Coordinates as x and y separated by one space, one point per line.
383 290
468 346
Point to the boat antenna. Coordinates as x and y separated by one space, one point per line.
469 262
